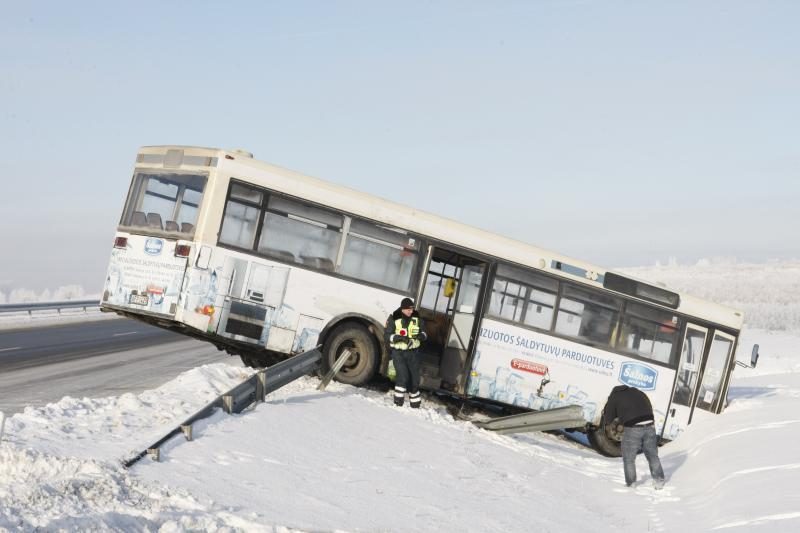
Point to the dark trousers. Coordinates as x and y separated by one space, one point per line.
406 364
637 439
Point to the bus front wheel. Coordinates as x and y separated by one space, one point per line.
361 365
606 440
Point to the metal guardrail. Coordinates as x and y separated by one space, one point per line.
42 306
570 416
253 390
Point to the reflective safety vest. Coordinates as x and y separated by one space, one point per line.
410 332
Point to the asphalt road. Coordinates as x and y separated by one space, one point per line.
93 359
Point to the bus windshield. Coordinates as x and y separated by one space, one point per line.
164 202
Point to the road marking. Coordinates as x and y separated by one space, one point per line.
9 349
121 334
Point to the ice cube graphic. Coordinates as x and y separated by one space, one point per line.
538 403
305 341
499 390
474 384
485 387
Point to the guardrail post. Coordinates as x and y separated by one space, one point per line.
335 369
261 385
227 403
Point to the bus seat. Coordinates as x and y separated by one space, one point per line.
186 227
171 225
284 255
154 221
138 219
322 263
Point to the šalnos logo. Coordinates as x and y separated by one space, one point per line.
153 246
638 375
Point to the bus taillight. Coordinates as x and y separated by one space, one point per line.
120 242
182 250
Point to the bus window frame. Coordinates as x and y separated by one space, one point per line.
715 406
674 356
612 347
135 191
422 242
425 243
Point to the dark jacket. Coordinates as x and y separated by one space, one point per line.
629 404
391 329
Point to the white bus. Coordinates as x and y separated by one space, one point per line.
264 263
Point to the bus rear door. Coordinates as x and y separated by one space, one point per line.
449 304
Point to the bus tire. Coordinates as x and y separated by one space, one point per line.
362 364
602 439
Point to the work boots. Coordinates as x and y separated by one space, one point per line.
399 395
415 400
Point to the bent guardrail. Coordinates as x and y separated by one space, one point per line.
44 306
251 391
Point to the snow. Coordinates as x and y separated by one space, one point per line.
65 292
347 460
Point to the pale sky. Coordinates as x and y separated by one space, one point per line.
620 133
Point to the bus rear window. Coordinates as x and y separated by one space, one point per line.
164 202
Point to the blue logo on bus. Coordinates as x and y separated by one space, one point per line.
153 246
638 375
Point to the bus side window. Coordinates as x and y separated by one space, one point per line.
649 332
587 314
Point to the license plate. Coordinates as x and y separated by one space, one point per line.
139 299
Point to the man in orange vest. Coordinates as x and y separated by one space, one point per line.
404 335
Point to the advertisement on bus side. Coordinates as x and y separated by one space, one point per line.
145 276
529 369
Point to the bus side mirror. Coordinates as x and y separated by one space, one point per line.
754 356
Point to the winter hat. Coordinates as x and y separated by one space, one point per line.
407 303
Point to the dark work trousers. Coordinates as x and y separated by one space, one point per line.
637 439
406 364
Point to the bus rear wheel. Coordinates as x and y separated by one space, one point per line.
606 439
362 364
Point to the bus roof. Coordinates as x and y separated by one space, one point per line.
242 165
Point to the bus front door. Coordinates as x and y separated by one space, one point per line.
685 391
699 387
712 390
449 304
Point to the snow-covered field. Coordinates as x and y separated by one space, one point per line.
348 460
